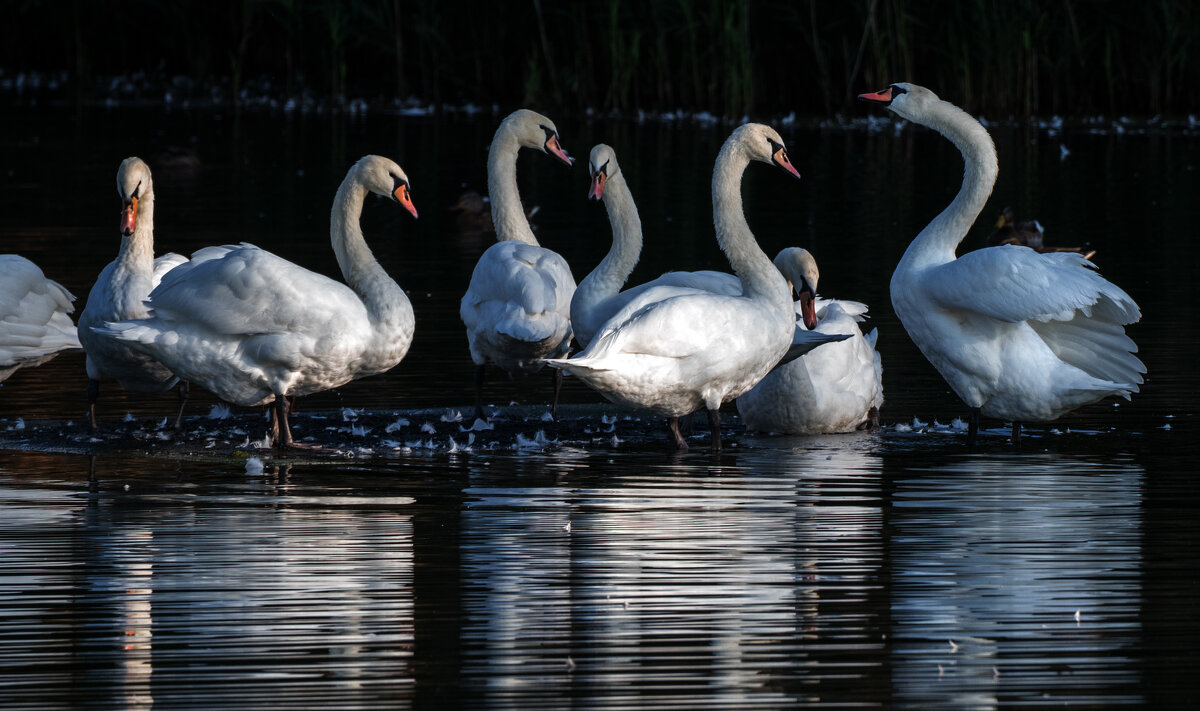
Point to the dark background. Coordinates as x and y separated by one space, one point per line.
730 58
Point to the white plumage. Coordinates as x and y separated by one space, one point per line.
35 324
254 328
120 293
1018 335
686 348
517 309
835 388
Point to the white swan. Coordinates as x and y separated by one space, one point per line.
254 328
599 298
1018 335
836 388
517 309
120 293
34 321
692 347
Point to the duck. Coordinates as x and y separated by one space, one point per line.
1028 233
120 292
35 316
256 329
833 389
1018 335
473 213
599 297
517 307
680 349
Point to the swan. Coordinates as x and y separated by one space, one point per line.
120 293
255 329
517 309
837 388
1018 335
684 347
599 297
34 321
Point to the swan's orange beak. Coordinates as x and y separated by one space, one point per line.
596 191
884 96
554 148
808 311
401 193
129 217
780 158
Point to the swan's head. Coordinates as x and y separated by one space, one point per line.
904 99
602 164
761 142
534 130
133 185
383 177
800 269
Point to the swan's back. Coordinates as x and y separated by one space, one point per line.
34 320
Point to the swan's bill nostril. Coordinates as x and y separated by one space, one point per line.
597 189
884 96
129 217
403 197
553 147
781 159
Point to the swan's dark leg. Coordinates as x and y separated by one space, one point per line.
972 427
678 443
479 377
1016 433
281 431
93 393
185 389
873 419
558 381
685 424
714 428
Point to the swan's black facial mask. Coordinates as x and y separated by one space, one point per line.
403 194
884 96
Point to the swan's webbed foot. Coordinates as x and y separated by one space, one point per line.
678 443
872 422
479 378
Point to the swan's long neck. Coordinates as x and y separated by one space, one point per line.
362 271
937 242
508 214
760 278
610 275
137 249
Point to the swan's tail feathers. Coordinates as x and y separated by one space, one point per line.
524 328
575 366
872 338
138 331
1096 346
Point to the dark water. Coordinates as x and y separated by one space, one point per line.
887 569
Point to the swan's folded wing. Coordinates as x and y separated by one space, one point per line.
1011 283
246 290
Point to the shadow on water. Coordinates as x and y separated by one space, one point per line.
593 570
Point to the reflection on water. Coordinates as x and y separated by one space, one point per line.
777 576
885 569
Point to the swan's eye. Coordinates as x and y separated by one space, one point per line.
602 170
134 194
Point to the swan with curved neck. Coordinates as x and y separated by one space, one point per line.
682 348
1019 336
35 321
120 293
835 388
517 309
255 329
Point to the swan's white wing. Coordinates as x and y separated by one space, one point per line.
33 313
521 290
164 264
1014 284
244 290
